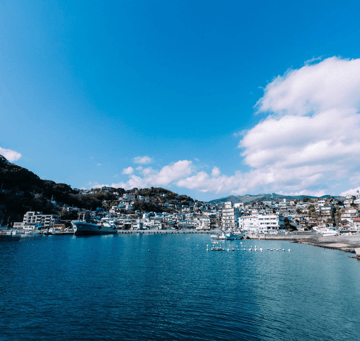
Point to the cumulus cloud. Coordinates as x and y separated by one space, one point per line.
215 172
352 191
308 141
310 137
11 155
142 159
163 177
128 170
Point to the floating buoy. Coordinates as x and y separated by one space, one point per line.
148 250
261 249
289 250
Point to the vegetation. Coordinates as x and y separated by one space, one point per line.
22 191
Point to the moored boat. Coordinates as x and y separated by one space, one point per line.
83 228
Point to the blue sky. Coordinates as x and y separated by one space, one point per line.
88 86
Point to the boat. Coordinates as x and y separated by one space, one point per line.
83 228
30 233
228 235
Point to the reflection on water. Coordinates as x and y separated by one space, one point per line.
112 287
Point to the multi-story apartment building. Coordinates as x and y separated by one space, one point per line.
230 216
325 211
349 214
32 218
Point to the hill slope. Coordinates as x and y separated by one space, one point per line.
21 190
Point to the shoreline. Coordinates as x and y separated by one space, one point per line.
349 244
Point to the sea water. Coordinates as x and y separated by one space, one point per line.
168 287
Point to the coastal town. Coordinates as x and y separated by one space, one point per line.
327 216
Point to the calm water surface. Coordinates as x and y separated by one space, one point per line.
112 288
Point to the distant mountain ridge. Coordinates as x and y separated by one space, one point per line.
249 198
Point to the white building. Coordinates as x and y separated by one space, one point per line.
261 222
349 214
129 196
138 224
230 216
203 223
37 218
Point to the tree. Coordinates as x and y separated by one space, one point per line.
311 209
298 211
305 199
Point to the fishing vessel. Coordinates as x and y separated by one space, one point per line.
83 228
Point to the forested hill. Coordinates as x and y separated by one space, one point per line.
21 190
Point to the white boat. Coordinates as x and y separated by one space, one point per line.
83 228
30 233
229 235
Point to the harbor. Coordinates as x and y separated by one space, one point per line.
113 283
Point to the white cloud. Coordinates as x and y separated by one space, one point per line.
98 164
215 172
352 191
140 168
147 171
142 159
240 133
310 140
331 84
128 170
11 155
164 177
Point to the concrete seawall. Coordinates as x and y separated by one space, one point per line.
166 232
279 237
